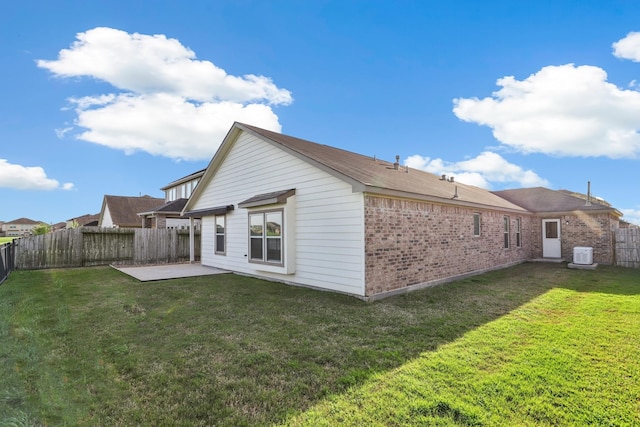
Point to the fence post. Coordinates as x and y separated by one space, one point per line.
7 260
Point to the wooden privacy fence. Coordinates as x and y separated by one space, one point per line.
89 246
628 247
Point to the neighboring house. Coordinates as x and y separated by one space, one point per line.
58 226
183 187
567 220
169 214
87 220
122 211
19 227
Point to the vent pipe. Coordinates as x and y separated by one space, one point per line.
397 163
455 195
588 194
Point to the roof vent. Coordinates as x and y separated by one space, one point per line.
397 163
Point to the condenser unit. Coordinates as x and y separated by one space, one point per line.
582 255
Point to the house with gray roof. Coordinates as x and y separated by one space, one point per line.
286 209
169 214
122 211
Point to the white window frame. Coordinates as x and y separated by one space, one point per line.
265 238
477 220
507 227
218 234
518 232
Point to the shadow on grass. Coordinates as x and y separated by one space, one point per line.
233 350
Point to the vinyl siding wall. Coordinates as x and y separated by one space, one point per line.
327 215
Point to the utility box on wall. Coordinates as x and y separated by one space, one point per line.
583 255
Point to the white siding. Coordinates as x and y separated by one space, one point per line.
106 218
329 239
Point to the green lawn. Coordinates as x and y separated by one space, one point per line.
536 344
4 240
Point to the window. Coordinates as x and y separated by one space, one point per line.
476 224
519 232
220 234
265 237
506 232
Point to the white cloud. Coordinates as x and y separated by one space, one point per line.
482 171
628 47
170 103
27 178
560 110
631 215
167 125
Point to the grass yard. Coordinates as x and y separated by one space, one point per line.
4 240
536 344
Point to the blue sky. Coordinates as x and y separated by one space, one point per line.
123 97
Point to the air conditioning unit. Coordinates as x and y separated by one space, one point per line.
582 255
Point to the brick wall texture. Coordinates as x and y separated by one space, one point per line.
411 242
581 229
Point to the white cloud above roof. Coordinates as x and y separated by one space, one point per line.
628 47
483 171
168 103
28 178
564 110
631 215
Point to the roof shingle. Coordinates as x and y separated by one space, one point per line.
382 177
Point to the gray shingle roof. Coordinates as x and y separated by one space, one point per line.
173 207
381 177
540 199
124 210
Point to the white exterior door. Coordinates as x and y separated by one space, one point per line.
551 238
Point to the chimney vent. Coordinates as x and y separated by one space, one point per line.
397 163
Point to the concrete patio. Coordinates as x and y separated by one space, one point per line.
168 271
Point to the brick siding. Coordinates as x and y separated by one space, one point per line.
410 242
582 229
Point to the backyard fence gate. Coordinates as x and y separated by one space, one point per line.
628 247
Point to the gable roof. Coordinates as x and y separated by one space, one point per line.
544 200
173 207
23 221
86 219
187 178
124 210
365 174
